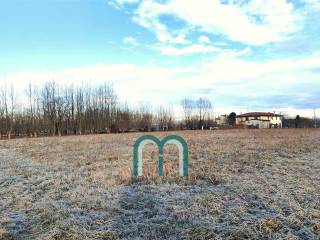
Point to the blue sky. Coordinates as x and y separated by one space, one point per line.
242 54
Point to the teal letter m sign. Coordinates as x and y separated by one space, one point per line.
142 141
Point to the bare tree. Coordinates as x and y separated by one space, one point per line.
144 118
188 106
5 109
12 109
124 118
31 111
53 109
164 118
203 106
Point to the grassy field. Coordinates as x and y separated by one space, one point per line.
256 184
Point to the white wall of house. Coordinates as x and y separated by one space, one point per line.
260 121
276 120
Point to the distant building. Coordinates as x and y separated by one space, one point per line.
222 120
259 120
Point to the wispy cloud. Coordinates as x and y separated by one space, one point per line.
130 41
259 22
148 15
204 39
216 23
188 50
236 52
227 80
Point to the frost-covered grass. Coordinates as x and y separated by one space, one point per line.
256 184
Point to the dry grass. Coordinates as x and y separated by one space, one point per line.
257 184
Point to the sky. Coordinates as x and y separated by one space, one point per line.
243 55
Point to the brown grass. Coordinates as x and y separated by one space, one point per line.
261 184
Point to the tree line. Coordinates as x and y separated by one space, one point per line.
55 110
197 113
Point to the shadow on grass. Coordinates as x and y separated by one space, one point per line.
159 211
